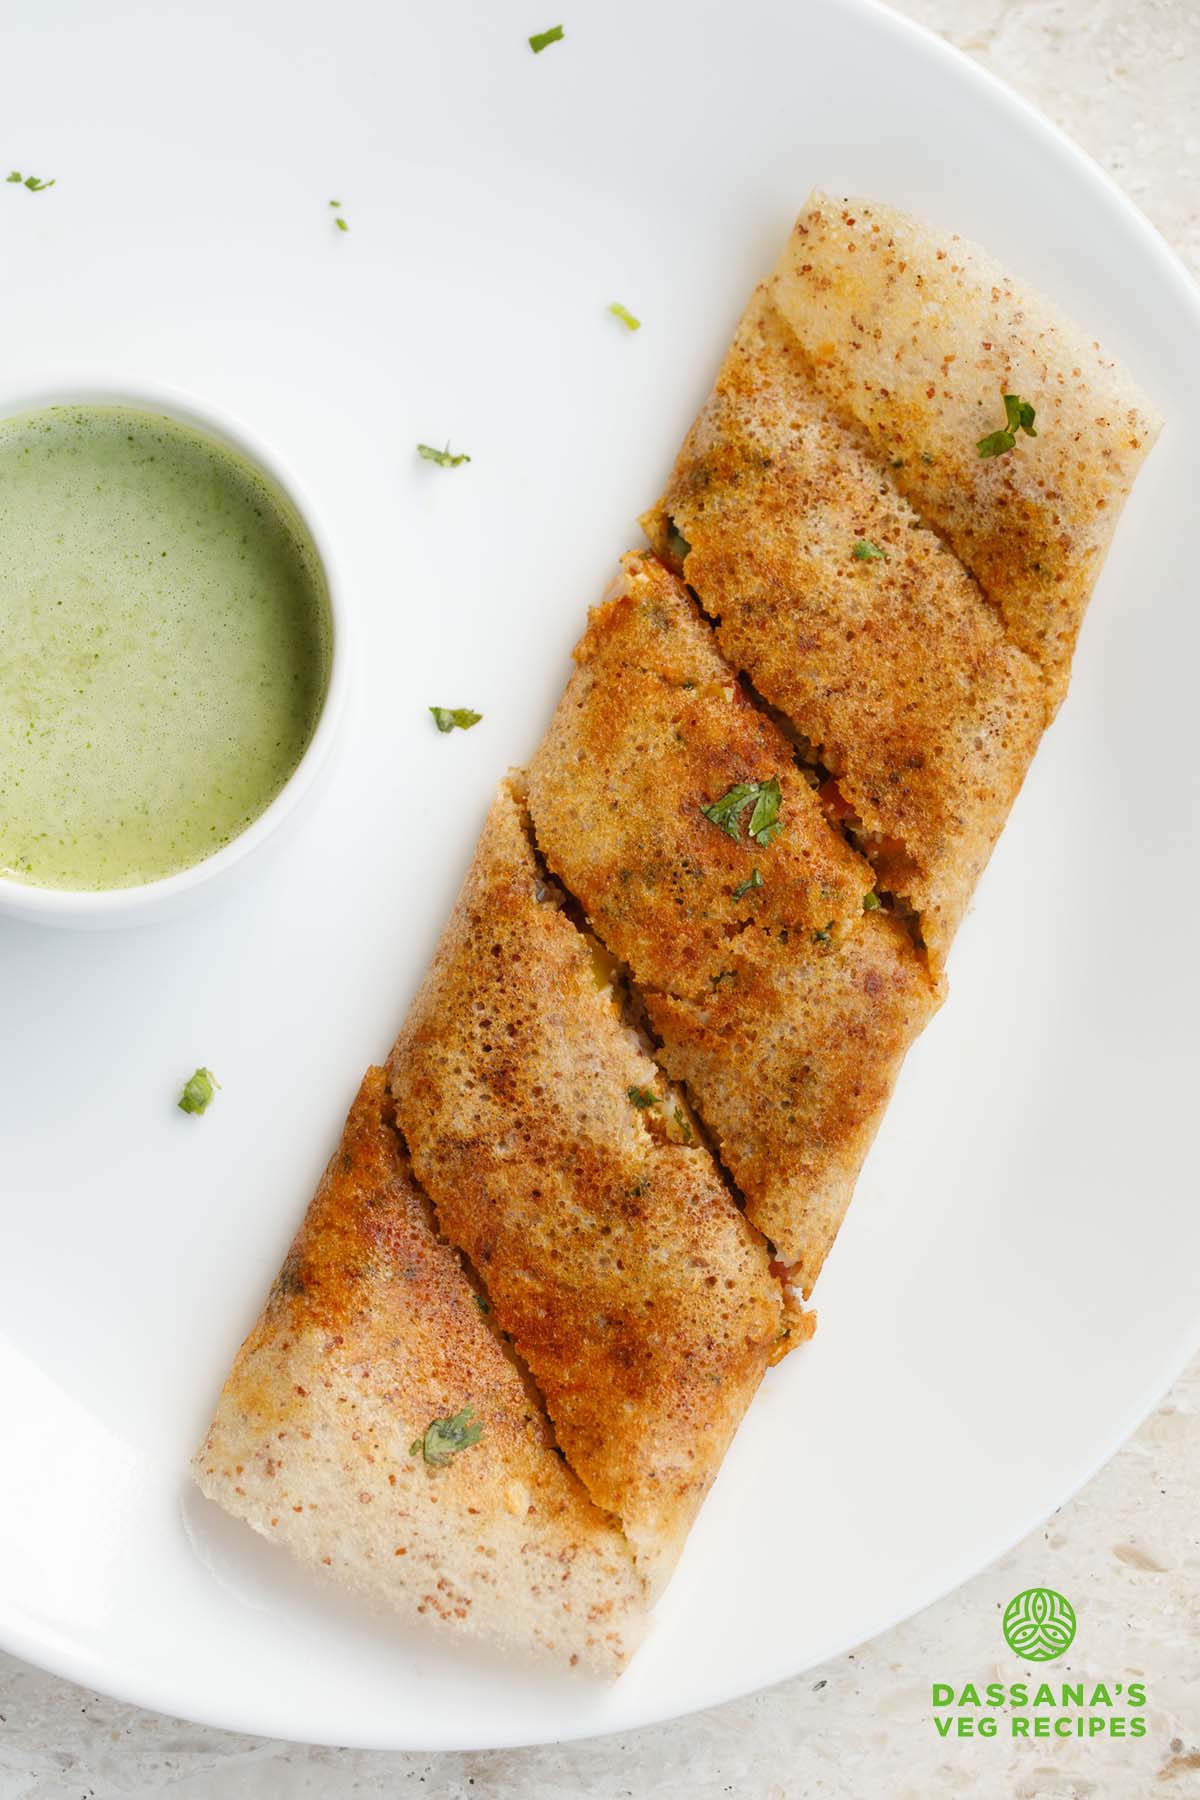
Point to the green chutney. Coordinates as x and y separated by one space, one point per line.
165 646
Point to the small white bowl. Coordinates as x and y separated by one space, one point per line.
108 907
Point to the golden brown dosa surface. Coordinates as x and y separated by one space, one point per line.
793 1063
652 728
630 1283
372 1330
893 667
915 335
786 1010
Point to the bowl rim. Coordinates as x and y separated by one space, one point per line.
83 906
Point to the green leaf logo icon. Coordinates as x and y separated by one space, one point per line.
1039 1625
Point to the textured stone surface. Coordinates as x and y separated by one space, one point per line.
1123 78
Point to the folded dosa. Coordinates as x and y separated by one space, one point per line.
793 1062
904 612
914 336
613 1255
653 727
891 664
372 1331
784 1007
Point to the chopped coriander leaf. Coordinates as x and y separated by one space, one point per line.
866 551
824 936
335 203
341 223
684 1127
871 901
540 39
32 182
996 443
753 880
444 1438
447 718
626 317
764 820
16 176
724 976
198 1091
1019 416
643 1097
442 458
482 1304
766 798
727 811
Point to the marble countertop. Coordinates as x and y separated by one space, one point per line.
1123 78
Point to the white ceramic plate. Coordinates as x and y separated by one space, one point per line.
1016 1282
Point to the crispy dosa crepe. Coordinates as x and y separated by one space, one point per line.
792 1063
915 336
632 1287
371 1333
784 1007
774 871
890 662
654 727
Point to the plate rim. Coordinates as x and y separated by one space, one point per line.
48 1649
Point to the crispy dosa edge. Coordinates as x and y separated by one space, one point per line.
892 665
631 1285
372 1330
788 1040
914 337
